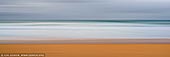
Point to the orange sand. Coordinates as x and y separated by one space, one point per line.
90 50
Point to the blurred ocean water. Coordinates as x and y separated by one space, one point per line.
85 29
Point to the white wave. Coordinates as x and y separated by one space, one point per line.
83 30
96 33
79 24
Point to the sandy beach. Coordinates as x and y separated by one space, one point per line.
90 50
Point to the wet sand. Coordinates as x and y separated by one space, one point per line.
89 41
90 50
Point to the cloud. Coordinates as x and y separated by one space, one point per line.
84 9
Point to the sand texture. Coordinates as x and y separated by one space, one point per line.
90 50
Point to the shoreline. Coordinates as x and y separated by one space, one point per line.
89 41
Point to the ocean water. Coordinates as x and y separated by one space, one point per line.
84 29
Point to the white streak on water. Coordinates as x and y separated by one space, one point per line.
78 30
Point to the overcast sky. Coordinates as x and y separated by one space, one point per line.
84 9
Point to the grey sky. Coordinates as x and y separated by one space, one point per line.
84 9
